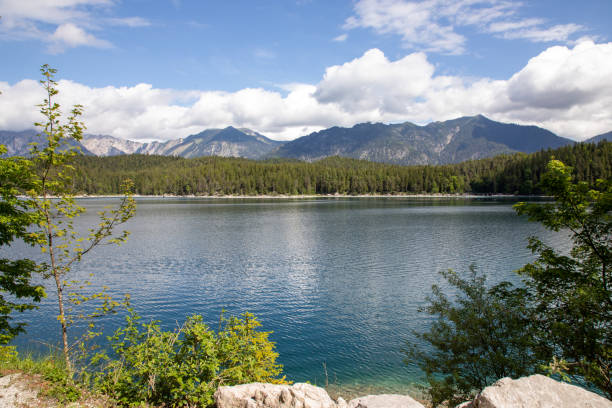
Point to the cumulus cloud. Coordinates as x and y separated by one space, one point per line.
560 78
70 35
564 89
71 22
373 82
144 112
432 25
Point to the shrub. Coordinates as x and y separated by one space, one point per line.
573 292
484 335
184 367
562 315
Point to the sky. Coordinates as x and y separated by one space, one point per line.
164 69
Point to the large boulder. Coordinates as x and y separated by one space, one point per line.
536 391
259 395
384 401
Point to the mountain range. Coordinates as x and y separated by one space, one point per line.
599 138
228 142
445 142
19 143
451 141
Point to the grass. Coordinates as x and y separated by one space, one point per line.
56 384
48 375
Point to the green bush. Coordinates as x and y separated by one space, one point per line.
573 291
62 388
484 334
184 367
559 320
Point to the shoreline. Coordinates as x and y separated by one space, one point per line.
314 196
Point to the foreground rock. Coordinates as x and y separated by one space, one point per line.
258 395
536 391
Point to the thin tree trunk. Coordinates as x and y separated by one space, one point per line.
60 296
62 321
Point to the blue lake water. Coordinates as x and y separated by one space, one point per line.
337 280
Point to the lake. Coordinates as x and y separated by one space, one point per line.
338 280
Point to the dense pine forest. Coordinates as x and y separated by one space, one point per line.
506 174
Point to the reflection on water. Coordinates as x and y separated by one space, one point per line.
339 281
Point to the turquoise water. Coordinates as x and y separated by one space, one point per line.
338 281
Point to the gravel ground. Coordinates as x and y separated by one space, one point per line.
22 391
15 391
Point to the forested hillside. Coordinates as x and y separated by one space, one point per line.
505 174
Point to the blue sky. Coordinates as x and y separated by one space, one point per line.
166 69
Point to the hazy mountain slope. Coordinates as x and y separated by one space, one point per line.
228 142
599 138
104 145
18 142
451 141
158 148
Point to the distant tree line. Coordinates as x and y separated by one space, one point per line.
518 173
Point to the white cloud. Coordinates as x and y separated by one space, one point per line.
432 25
554 33
566 90
340 38
560 77
23 112
509 26
71 22
129 21
373 82
416 22
478 12
50 11
70 35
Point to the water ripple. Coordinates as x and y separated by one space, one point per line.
338 281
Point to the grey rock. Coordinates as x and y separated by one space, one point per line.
259 395
104 145
228 142
384 401
537 391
